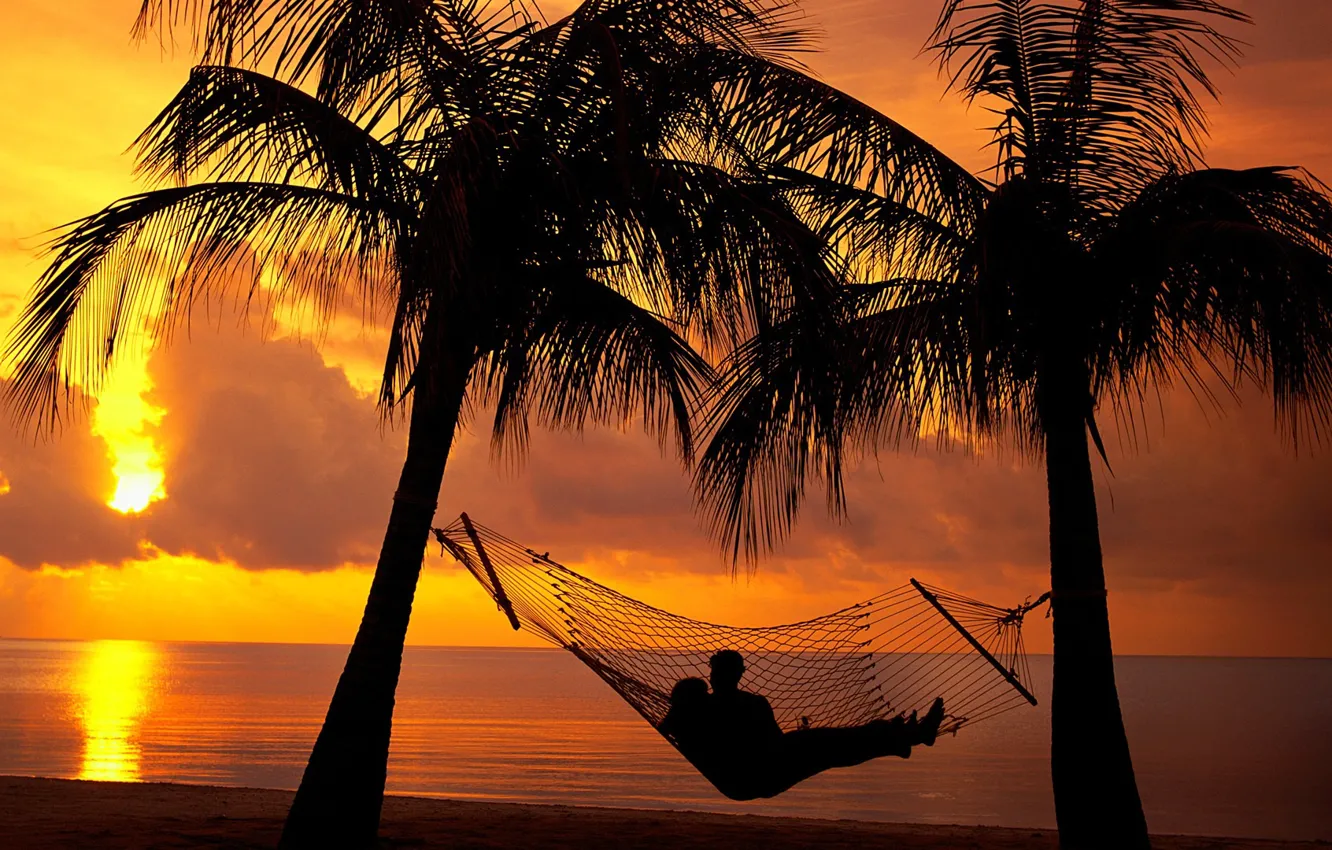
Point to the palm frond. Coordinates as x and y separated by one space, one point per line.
1131 111
1016 53
233 124
774 426
1102 95
152 257
878 235
1230 272
777 116
586 354
735 251
369 60
219 29
426 61
912 365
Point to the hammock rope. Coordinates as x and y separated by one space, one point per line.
893 653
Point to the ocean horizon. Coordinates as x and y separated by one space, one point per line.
463 646
1223 746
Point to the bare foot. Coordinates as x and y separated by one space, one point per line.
928 727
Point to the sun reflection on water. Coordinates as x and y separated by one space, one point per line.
115 684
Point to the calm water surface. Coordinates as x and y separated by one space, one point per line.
1222 746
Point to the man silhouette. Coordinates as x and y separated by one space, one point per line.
744 722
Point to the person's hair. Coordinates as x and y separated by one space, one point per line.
688 689
728 660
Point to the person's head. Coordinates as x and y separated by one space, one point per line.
727 668
689 693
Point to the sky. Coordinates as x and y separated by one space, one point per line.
234 485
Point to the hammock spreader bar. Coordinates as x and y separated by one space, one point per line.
875 659
501 598
985 653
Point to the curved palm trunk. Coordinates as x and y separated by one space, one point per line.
1096 796
341 794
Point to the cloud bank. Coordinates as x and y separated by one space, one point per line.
273 460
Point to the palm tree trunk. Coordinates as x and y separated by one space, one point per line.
341 794
1096 796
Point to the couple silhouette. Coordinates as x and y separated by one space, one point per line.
732 736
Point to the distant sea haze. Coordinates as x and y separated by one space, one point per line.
1231 747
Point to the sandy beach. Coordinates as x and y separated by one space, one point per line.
56 813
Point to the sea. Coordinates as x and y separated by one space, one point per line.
1222 746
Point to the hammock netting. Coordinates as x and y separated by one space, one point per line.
890 654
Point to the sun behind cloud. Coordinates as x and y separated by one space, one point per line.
120 419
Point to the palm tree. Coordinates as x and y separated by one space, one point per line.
547 211
1099 263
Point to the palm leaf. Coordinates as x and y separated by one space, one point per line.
773 427
152 257
1101 95
587 354
234 124
1230 272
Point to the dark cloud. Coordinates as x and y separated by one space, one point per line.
578 495
1215 503
272 459
1289 30
1219 500
614 498
55 509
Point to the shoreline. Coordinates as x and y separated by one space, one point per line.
43 814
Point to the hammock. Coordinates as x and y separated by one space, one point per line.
890 654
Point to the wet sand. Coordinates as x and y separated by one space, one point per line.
57 813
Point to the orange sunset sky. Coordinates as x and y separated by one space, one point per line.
232 487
